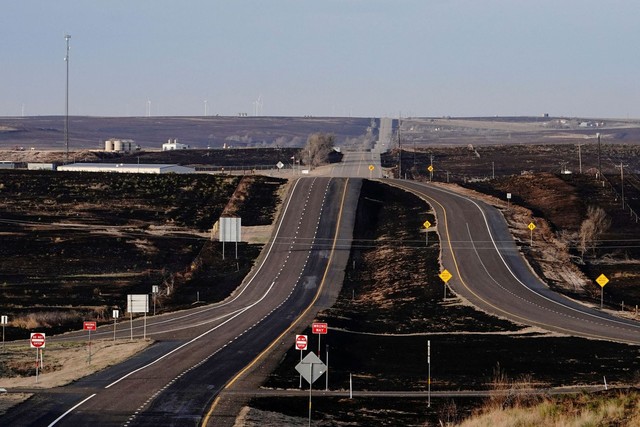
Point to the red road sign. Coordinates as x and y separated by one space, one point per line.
319 328
89 326
301 342
37 340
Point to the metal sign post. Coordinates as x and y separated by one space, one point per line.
319 329
116 314
138 304
445 276
37 341
602 280
311 373
154 291
429 373
3 320
89 326
426 225
230 231
326 376
301 344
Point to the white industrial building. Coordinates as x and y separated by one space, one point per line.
7 165
125 168
41 166
174 145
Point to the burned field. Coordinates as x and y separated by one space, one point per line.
75 244
532 174
392 303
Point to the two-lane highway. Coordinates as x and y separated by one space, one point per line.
489 271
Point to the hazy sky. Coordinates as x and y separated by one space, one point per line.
322 57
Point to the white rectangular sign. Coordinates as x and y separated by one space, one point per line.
138 303
230 229
4 320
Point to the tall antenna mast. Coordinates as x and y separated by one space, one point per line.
66 104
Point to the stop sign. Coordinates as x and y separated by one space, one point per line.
37 340
301 342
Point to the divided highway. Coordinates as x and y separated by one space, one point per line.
198 351
488 270
201 350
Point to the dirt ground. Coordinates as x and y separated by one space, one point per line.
62 363
380 324
75 244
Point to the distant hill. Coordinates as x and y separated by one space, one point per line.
47 132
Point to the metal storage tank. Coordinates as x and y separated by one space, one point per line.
108 145
117 145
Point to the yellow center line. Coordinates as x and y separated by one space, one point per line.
216 401
524 320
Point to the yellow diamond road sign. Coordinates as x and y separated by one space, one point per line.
602 280
426 224
445 276
531 226
371 167
430 168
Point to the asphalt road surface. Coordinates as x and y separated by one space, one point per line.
488 270
199 350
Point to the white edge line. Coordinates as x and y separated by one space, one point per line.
70 410
194 339
561 304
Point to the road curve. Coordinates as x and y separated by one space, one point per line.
489 271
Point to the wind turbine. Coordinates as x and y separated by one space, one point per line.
257 106
66 104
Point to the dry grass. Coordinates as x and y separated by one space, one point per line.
54 318
621 410
64 362
513 406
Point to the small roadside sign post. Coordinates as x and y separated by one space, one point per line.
154 291
115 314
138 304
89 326
301 344
602 280
429 373
319 329
445 276
531 227
279 165
3 320
37 341
371 168
430 169
426 225
508 200
311 368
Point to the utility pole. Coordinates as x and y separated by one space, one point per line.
66 104
399 151
599 168
580 157
622 183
